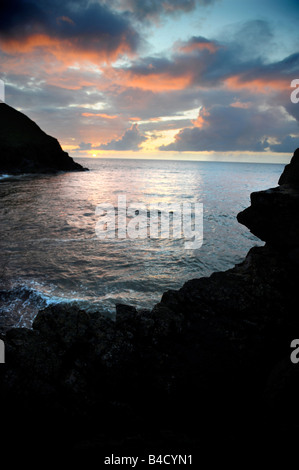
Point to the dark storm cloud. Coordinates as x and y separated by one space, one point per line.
224 128
88 26
288 144
131 140
280 72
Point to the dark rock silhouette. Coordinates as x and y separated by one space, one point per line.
25 148
290 174
209 366
273 214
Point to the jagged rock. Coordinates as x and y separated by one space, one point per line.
264 283
214 352
62 324
290 174
25 148
274 214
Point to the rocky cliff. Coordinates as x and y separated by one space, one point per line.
274 214
25 148
208 368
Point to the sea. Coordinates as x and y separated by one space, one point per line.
52 250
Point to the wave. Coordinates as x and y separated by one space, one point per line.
3 177
23 302
20 303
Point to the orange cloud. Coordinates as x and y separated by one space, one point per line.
199 46
257 85
201 121
102 115
157 82
68 82
240 104
68 51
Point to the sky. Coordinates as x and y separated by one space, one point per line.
169 79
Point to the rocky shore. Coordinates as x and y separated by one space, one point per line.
25 148
208 366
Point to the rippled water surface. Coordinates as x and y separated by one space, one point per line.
50 252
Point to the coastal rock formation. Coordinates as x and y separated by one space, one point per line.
25 148
207 366
290 174
274 214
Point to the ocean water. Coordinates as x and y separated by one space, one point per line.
50 251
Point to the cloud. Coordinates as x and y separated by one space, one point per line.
263 77
153 9
244 98
197 43
69 30
287 145
131 140
84 146
189 66
101 115
255 37
230 128
203 64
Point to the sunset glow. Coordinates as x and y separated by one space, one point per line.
115 77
